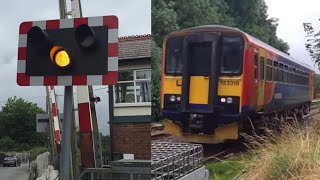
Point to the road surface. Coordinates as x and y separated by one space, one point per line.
15 173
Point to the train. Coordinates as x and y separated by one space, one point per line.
219 81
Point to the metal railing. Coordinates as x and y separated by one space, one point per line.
174 160
124 169
106 174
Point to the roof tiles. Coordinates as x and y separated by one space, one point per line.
131 47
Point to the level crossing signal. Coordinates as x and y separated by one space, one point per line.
67 52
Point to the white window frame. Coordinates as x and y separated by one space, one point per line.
134 81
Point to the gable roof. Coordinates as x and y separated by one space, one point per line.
132 47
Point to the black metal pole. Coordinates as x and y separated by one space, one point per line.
111 117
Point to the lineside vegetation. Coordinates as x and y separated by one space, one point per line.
293 153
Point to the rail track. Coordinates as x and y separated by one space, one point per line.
220 151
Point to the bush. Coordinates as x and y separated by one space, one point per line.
7 144
37 151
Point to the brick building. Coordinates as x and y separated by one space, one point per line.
132 98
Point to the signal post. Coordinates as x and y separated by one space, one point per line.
68 52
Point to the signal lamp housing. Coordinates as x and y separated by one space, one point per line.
38 38
84 36
60 57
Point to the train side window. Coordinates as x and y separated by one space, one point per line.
290 75
256 67
298 76
300 80
261 68
275 70
285 74
294 76
269 70
280 72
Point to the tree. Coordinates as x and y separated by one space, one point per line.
7 144
251 17
313 42
105 145
164 20
18 122
155 79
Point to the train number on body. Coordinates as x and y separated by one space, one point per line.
230 82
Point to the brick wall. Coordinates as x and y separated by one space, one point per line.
133 138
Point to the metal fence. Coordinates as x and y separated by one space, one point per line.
124 169
106 160
174 160
106 174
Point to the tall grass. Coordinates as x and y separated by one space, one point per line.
292 154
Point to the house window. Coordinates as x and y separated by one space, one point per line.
134 86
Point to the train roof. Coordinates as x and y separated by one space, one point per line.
249 37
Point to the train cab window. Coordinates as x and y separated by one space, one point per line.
269 70
256 67
261 68
200 58
275 70
174 55
232 54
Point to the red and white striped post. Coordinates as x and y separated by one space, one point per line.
55 114
85 126
87 130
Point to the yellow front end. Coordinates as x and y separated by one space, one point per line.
199 92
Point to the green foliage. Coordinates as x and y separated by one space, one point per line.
280 164
34 171
248 15
105 145
7 144
155 79
37 151
18 124
313 42
164 20
229 168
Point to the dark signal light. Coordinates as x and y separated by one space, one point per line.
39 38
85 36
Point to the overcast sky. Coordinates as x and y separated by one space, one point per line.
292 14
134 19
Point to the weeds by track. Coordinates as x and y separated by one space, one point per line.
218 152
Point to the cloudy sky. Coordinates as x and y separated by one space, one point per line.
134 18
292 14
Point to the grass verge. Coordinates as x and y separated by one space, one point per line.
292 154
228 169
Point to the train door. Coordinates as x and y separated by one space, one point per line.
262 53
256 76
199 78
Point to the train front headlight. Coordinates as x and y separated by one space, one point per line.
172 98
223 100
229 100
